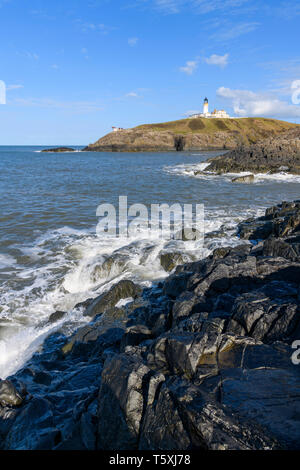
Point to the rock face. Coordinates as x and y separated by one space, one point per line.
190 134
201 361
58 150
281 153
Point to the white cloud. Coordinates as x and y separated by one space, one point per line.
169 6
55 66
84 52
219 60
288 9
13 87
133 41
76 106
189 67
196 6
93 27
31 55
233 32
248 103
191 112
208 6
132 94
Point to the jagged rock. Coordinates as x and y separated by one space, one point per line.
170 260
266 156
244 179
262 317
176 284
9 395
286 248
56 316
185 417
121 402
122 290
135 335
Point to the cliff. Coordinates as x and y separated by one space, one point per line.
281 153
190 134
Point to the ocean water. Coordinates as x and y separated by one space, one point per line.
50 255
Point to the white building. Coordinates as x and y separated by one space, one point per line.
215 114
117 129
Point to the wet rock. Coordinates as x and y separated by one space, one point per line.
201 361
170 260
176 284
288 249
188 234
264 318
84 304
135 335
185 417
244 179
121 403
9 395
122 290
56 316
279 221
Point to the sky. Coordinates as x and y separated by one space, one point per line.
72 69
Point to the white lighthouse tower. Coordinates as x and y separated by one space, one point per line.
205 106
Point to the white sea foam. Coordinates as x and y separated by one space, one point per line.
192 169
68 266
68 151
6 261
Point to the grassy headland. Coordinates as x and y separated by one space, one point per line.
191 134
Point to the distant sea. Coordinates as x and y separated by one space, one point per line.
50 256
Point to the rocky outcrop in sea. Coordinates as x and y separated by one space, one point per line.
272 155
58 150
200 361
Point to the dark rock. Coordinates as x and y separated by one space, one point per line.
121 402
186 418
266 156
244 179
188 234
176 284
56 316
9 395
58 150
170 260
201 361
122 290
135 335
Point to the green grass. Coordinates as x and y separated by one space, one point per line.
207 126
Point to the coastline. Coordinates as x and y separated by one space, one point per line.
186 354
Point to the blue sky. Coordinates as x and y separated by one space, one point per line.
74 68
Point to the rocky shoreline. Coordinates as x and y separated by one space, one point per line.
272 155
200 361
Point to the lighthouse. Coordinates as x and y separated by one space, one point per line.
216 114
205 106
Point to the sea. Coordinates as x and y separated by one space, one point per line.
51 255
